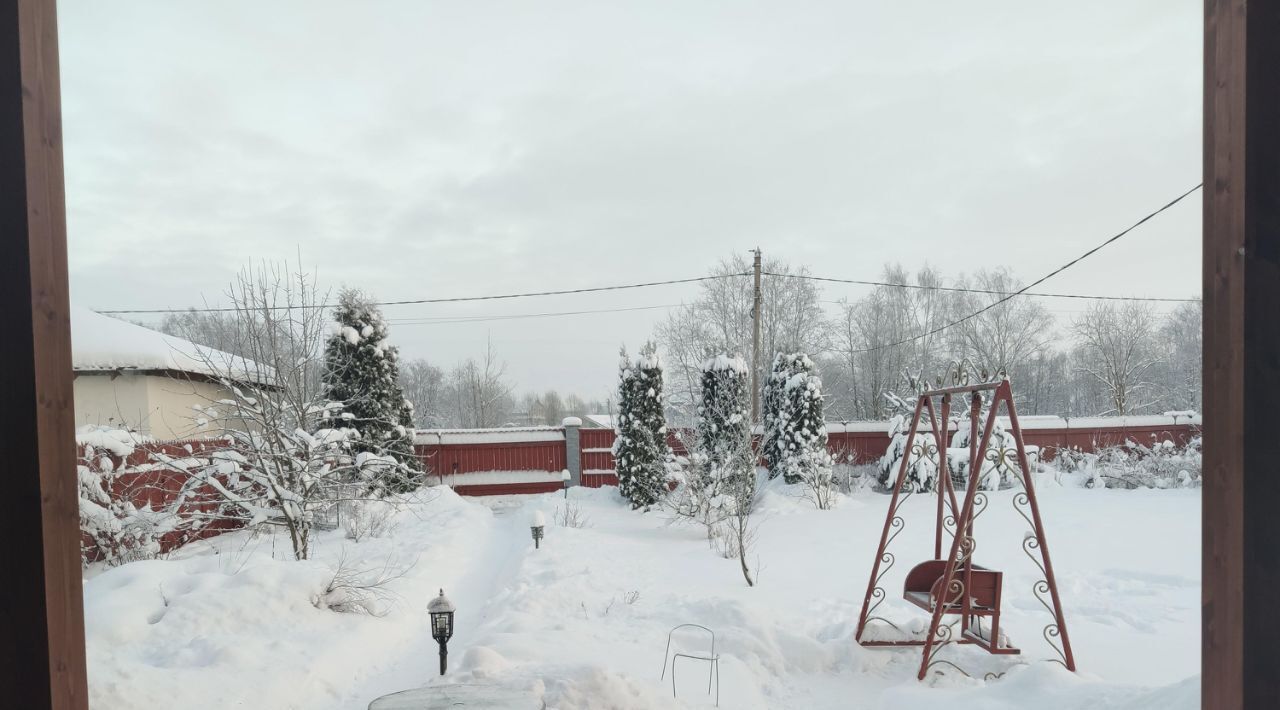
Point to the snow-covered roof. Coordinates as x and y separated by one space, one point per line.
100 343
598 421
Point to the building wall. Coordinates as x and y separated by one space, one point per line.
121 402
153 405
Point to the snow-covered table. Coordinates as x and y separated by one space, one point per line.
458 695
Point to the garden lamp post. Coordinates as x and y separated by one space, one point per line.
536 527
441 611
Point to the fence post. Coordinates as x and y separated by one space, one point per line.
573 449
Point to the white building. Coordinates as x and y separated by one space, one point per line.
134 378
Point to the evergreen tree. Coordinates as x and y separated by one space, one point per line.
800 435
773 417
361 377
640 451
724 422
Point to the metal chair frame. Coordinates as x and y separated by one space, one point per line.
713 659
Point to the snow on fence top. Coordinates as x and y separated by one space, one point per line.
1042 421
505 435
100 343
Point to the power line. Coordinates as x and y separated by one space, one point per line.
958 289
418 301
1037 282
447 320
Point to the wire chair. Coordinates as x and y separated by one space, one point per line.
712 658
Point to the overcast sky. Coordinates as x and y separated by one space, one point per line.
426 149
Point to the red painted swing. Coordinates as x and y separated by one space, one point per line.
954 585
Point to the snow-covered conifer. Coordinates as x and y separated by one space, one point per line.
800 431
771 416
724 421
641 454
361 375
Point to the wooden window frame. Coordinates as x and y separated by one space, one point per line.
42 653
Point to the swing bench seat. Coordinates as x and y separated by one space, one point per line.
923 588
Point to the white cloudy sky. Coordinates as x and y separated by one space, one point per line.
423 149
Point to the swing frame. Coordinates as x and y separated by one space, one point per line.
953 591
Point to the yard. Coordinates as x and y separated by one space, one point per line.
582 622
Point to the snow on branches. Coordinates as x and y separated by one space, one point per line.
640 451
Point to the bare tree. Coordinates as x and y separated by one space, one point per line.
719 320
1116 348
884 334
1181 339
424 385
1005 337
480 392
280 459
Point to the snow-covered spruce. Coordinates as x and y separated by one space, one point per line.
795 431
802 435
772 416
723 417
640 451
361 373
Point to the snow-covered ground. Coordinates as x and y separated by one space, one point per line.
582 622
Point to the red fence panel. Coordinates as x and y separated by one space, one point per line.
138 479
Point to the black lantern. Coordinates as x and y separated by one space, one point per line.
537 525
441 611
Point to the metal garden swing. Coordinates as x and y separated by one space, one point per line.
954 585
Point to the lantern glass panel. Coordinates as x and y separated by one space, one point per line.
441 624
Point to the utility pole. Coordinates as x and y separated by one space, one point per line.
755 343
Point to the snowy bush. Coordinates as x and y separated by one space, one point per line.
113 529
1163 464
641 455
922 459
999 468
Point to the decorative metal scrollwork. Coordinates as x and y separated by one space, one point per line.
1020 500
979 505
924 450
1052 632
1005 460
887 560
1041 588
1030 544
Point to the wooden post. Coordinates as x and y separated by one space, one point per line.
1241 534
42 658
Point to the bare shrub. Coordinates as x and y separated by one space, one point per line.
571 516
367 518
361 590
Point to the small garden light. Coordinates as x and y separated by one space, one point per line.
441 611
538 524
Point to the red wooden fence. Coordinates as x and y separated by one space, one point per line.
495 461
452 455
